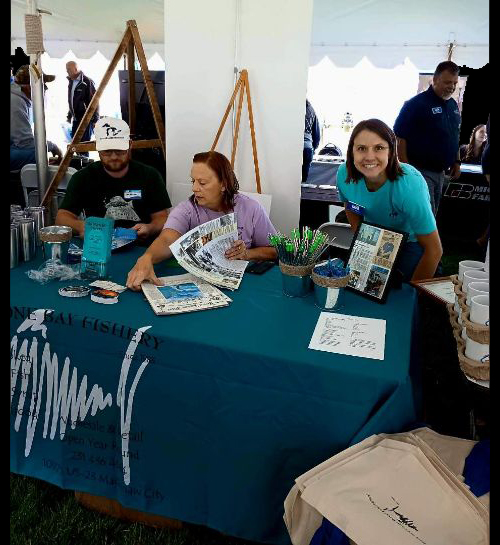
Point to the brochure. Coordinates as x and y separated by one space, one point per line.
201 252
183 293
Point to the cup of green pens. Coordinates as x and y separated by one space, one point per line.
297 256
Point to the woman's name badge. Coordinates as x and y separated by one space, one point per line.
356 208
132 194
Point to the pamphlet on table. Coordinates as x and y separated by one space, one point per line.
201 252
183 293
349 335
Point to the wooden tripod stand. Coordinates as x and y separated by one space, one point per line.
242 85
130 40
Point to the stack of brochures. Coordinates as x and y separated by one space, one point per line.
183 293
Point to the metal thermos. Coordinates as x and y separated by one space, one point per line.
14 246
39 214
28 240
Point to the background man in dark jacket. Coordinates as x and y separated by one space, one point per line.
312 136
81 89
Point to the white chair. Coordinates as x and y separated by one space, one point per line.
341 231
29 180
263 198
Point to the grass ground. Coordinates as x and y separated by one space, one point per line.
43 514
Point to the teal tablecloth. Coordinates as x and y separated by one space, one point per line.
229 409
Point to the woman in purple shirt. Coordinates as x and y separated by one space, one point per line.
215 193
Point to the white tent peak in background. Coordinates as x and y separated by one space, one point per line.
89 26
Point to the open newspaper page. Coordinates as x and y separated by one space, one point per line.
201 252
183 293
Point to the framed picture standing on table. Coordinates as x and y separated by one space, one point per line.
441 289
372 258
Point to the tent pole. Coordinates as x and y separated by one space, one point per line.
42 164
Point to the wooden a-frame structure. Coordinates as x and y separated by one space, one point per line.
242 86
130 41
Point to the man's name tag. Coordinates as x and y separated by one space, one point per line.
132 194
437 110
356 208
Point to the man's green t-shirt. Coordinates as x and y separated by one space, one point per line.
128 200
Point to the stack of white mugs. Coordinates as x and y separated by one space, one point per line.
470 318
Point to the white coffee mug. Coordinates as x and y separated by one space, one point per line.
480 309
477 288
474 275
476 351
467 265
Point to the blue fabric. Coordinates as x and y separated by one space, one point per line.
431 127
403 204
477 468
231 407
20 157
329 534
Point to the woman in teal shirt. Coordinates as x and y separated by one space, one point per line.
391 194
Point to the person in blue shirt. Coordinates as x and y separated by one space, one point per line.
390 194
428 130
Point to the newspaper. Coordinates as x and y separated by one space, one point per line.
372 259
201 252
183 293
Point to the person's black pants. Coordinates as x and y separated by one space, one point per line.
307 157
87 135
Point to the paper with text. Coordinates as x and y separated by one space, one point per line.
349 335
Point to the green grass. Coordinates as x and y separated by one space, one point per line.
43 514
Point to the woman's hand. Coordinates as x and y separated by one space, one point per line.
238 250
142 270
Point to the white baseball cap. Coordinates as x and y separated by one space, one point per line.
111 133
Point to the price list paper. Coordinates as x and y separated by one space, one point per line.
349 335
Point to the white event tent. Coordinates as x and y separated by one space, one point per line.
277 41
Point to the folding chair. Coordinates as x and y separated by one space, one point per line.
340 235
29 180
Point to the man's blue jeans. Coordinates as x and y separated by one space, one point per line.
20 157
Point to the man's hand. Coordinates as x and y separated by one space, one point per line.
142 270
144 230
238 250
57 155
455 172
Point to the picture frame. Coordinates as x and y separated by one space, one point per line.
441 288
372 259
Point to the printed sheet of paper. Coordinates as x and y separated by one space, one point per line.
445 290
201 252
349 335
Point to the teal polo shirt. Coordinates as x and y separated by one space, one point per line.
403 204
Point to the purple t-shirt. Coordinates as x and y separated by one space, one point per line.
253 223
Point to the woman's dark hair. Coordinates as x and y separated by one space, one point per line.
224 171
469 150
393 170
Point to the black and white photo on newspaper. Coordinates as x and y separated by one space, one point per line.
201 252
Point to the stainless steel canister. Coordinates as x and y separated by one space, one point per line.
14 220
39 214
28 241
296 286
14 245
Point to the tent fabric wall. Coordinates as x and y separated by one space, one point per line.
387 31
89 26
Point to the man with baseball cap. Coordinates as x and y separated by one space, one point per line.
117 187
22 142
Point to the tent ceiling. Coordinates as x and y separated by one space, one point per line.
387 31
88 26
